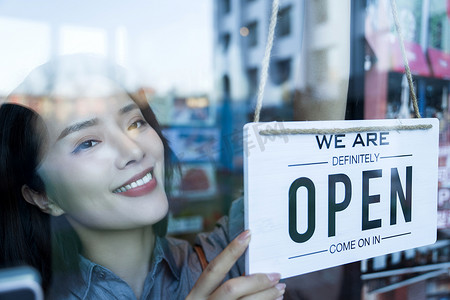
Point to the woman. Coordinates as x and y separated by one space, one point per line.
92 157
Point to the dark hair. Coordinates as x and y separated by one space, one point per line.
29 236
25 233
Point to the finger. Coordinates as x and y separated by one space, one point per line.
217 269
275 292
246 285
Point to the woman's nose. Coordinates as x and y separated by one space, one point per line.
128 150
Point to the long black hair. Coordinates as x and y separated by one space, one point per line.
25 229
28 235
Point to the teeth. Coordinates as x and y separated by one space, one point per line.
146 179
134 184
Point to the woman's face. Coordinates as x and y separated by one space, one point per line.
105 165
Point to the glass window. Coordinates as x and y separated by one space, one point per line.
226 6
284 22
252 38
252 76
281 70
439 24
225 41
425 28
321 11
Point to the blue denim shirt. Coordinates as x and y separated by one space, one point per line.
174 269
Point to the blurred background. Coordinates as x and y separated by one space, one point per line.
199 64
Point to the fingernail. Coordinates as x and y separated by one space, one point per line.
244 236
281 287
274 277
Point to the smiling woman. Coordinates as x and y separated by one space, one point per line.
108 136
105 133
84 169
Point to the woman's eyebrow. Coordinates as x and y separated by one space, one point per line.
128 108
77 127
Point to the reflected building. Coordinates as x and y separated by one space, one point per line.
309 65
240 34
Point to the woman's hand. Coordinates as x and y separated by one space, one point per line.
256 286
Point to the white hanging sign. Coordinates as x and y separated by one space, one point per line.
339 192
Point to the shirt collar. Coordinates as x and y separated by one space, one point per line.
161 252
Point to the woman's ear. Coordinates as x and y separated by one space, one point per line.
41 200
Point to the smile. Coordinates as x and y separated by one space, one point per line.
137 183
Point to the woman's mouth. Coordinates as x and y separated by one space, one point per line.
142 185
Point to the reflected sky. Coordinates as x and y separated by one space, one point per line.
168 43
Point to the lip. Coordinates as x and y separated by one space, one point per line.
139 190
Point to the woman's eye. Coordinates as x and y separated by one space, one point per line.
86 145
137 124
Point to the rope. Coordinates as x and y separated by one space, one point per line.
344 130
266 59
405 59
263 80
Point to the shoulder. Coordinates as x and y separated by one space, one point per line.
212 243
181 251
226 229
